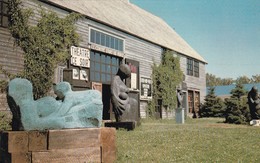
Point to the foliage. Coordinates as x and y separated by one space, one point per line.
166 77
212 80
238 91
243 80
5 121
165 141
213 105
45 45
237 110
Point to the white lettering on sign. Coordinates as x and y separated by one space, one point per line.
80 56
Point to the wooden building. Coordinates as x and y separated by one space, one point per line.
112 32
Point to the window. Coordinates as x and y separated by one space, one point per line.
104 39
196 69
189 66
192 67
103 67
4 13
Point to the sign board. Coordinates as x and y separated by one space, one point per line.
146 85
80 56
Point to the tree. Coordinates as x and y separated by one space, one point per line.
213 105
256 78
212 80
243 80
237 110
166 77
45 45
238 91
227 81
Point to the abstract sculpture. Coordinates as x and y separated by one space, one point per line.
73 109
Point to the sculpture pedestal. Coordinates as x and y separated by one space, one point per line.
255 122
129 125
67 145
179 115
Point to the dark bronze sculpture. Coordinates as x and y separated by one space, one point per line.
254 103
124 107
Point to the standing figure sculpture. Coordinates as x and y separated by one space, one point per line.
254 103
124 107
179 98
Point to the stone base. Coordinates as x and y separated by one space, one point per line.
130 125
255 122
68 145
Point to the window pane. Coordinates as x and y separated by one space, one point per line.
97 76
92 75
92 55
103 68
92 35
103 39
114 69
98 37
107 41
97 57
97 66
108 60
103 58
103 77
114 61
120 44
108 78
0 7
108 69
116 44
112 42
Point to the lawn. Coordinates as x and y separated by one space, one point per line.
198 140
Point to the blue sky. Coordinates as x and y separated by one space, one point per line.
226 33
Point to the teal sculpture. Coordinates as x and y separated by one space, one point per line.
71 109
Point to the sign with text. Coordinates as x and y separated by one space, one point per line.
80 56
146 90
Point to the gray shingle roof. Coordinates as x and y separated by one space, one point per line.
130 18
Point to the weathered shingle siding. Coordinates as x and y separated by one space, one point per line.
11 56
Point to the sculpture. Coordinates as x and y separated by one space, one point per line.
179 98
72 110
254 103
124 107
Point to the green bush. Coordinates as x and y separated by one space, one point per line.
5 121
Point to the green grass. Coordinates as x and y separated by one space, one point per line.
198 140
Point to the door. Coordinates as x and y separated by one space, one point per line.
190 101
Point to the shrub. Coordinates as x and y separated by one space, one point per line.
5 121
213 105
237 110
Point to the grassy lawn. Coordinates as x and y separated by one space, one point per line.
198 140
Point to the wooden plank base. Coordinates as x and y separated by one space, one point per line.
58 146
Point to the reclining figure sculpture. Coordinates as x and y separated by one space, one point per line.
73 109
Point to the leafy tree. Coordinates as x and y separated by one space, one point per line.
256 78
243 80
227 81
237 110
166 77
213 105
45 45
